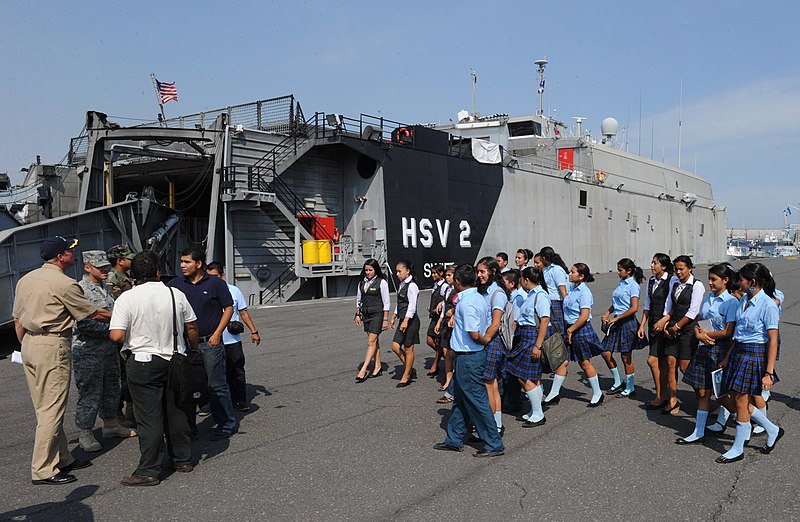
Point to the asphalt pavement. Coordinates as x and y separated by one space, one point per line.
316 445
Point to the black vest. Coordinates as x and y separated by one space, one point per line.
658 298
371 300
402 300
681 304
436 298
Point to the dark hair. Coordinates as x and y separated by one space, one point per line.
503 256
513 276
406 263
144 266
549 255
494 273
722 271
761 275
665 261
583 269
534 275
375 266
196 253
686 260
216 266
630 266
465 274
438 269
527 253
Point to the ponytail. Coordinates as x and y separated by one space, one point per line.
722 271
635 271
665 261
583 269
761 275
551 257
536 276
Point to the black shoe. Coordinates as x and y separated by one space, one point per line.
724 460
666 410
377 374
616 389
403 384
446 447
482 453
531 424
683 442
596 404
361 379
766 449
552 402
242 406
76 464
56 480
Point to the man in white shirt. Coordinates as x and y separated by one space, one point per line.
234 354
143 322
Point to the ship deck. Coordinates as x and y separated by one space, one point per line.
318 446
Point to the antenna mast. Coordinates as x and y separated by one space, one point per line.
680 111
474 84
541 64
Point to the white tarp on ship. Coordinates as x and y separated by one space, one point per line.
485 151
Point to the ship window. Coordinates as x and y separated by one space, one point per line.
610 213
634 224
524 128
702 228
628 216
648 218
589 212
582 199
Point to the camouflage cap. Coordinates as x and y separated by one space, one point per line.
96 258
120 252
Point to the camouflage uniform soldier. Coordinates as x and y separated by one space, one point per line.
96 359
119 281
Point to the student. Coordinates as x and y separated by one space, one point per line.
512 389
407 334
555 275
471 401
522 258
680 314
534 325
445 332
372 310
516 294
502 261
582 340
718 307
437 296
750 363
490 285
655 299
623 324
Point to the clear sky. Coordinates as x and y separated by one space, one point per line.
410 61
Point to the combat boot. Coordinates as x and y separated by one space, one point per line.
87 441
112 428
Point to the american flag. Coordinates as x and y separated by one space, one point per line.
167 91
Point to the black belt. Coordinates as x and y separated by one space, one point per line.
204 339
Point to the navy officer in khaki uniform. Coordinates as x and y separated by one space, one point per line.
46 305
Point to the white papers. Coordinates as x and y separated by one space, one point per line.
716 382
16 357
706 325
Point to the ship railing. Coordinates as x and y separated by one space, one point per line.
366 126
275 287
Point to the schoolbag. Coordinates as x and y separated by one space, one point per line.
506 322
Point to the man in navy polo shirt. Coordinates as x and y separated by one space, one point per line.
213 305
471 400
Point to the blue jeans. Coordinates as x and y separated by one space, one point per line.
219 393
471 402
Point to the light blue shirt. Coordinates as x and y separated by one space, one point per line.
626 290
554 276
578 298
495 302
752 324
779 295
238 304
720 310
471 316
527 315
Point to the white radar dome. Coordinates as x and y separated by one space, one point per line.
609 127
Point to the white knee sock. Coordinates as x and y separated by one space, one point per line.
761 419
594 382
498 419
617 378
742 436
555 389
535 396
699 427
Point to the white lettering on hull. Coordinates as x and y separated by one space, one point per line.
424 233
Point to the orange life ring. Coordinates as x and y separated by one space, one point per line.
403 135
600 176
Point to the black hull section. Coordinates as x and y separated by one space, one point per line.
438 207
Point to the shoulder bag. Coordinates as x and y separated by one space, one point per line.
553 348
187 373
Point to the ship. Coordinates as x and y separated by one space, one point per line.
293 205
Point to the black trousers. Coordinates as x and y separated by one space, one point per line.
234 365
157 416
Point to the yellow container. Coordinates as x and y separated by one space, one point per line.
317 252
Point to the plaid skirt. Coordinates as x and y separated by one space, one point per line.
495 357
705 360
557 317
746 368
585 344
623 338
520 363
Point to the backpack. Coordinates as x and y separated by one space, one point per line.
506 322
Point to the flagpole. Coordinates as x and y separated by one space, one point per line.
158 99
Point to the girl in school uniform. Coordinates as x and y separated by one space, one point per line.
760 401
556 280
621 320
516 294
680 315
522 258
437 297
407 334
524 362
372 310
445 330
719 308
491 286
582 340
655 298
750 362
